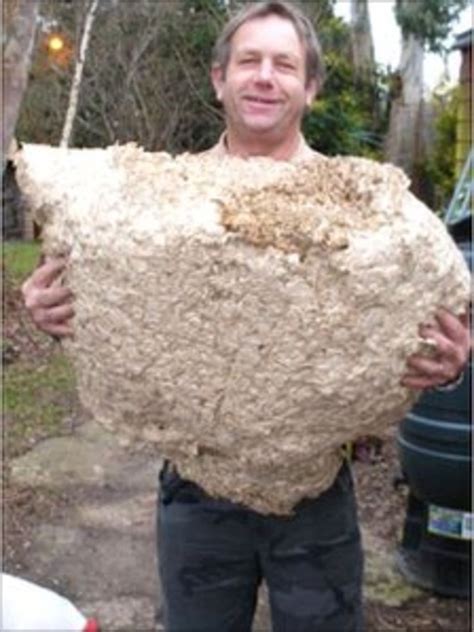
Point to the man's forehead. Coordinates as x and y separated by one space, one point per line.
256 36
261 25
253 50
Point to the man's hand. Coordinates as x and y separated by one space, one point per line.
453 343
48 302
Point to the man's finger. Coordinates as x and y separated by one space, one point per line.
55 321
412 373
54 296
425 366
418 383
62 331
444 347
47 272
452 326
464 318
440 370
37 298
59 315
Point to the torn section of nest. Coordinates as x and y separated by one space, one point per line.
301 211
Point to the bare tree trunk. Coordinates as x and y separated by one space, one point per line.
76 82
19 32
361 38
404 139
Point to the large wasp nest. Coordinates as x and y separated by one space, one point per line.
246 317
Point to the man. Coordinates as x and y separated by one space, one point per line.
213 554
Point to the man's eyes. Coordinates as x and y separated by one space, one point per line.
286 65
283 64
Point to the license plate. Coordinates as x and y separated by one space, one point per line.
450 523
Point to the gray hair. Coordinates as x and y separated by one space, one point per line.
314 57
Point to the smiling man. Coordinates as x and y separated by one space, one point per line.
264 85
214 554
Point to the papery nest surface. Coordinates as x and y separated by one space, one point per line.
246 317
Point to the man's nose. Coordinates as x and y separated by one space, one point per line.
265 70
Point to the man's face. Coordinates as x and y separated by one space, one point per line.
264 91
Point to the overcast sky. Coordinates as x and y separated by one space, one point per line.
386 36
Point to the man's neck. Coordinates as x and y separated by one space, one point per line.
262 146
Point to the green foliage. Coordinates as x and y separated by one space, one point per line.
349 117
441 165
429 20
20 258
339 127
318 11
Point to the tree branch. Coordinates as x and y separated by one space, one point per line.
76 82
193 87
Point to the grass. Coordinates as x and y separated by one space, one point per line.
37 397
39 401
38 384
20 258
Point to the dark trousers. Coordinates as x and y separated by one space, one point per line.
213 554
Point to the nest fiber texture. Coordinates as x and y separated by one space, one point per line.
246 317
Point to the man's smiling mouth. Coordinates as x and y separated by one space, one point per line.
264 100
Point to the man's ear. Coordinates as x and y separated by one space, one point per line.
217 78
311 92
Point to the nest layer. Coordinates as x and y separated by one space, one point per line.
246 317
